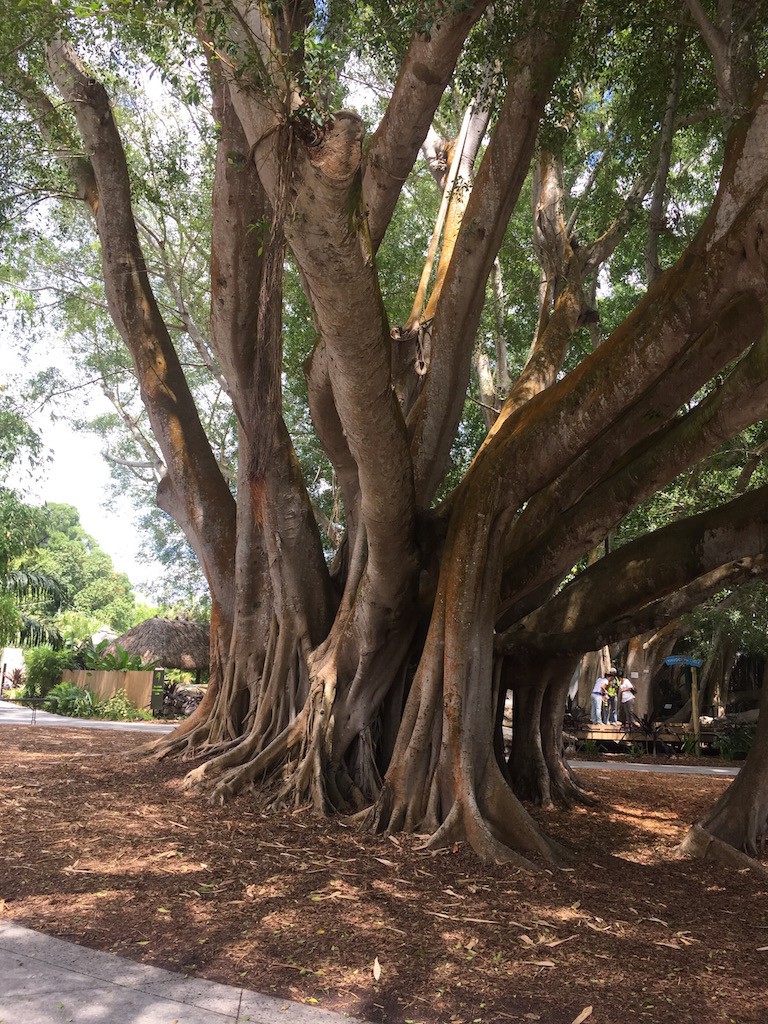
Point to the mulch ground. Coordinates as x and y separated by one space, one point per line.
104 849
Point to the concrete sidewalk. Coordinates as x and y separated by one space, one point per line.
17 714
48 981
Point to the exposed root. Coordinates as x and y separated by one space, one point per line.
185 746
511 823
464 822
699 844
245 769
568 789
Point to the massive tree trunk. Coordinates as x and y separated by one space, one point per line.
538 770
374 686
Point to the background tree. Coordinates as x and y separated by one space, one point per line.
21 526
95 591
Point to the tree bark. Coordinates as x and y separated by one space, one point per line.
739 819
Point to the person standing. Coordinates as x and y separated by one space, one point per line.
598 693
611 705
627 694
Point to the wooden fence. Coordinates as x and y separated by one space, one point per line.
137 685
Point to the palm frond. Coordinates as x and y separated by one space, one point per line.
33 633
26 583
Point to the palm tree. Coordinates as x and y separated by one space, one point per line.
20 585
20 529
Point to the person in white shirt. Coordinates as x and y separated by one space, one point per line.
627 695
599 693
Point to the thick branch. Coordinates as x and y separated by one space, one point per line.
424 74
535 61
709 354
652 463
718 45
657 207
458 190
658 615
648 569
328 239
194 492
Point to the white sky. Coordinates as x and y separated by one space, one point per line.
77 474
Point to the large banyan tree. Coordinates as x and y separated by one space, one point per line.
371 680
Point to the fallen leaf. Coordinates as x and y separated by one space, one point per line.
761 949
586 1012
527 940
669 945
385 862
559 942
456 895
376 969
541 963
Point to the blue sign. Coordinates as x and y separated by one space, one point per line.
680 659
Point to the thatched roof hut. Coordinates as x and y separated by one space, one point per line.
172 643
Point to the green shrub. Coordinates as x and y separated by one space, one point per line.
120 709
735 741
44 668
689 744
96 658
68 699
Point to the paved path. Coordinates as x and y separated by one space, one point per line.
16 714
48 981
663 769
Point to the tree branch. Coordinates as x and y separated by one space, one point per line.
194 492
536 58
657 207
649 569
415 98
650 464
